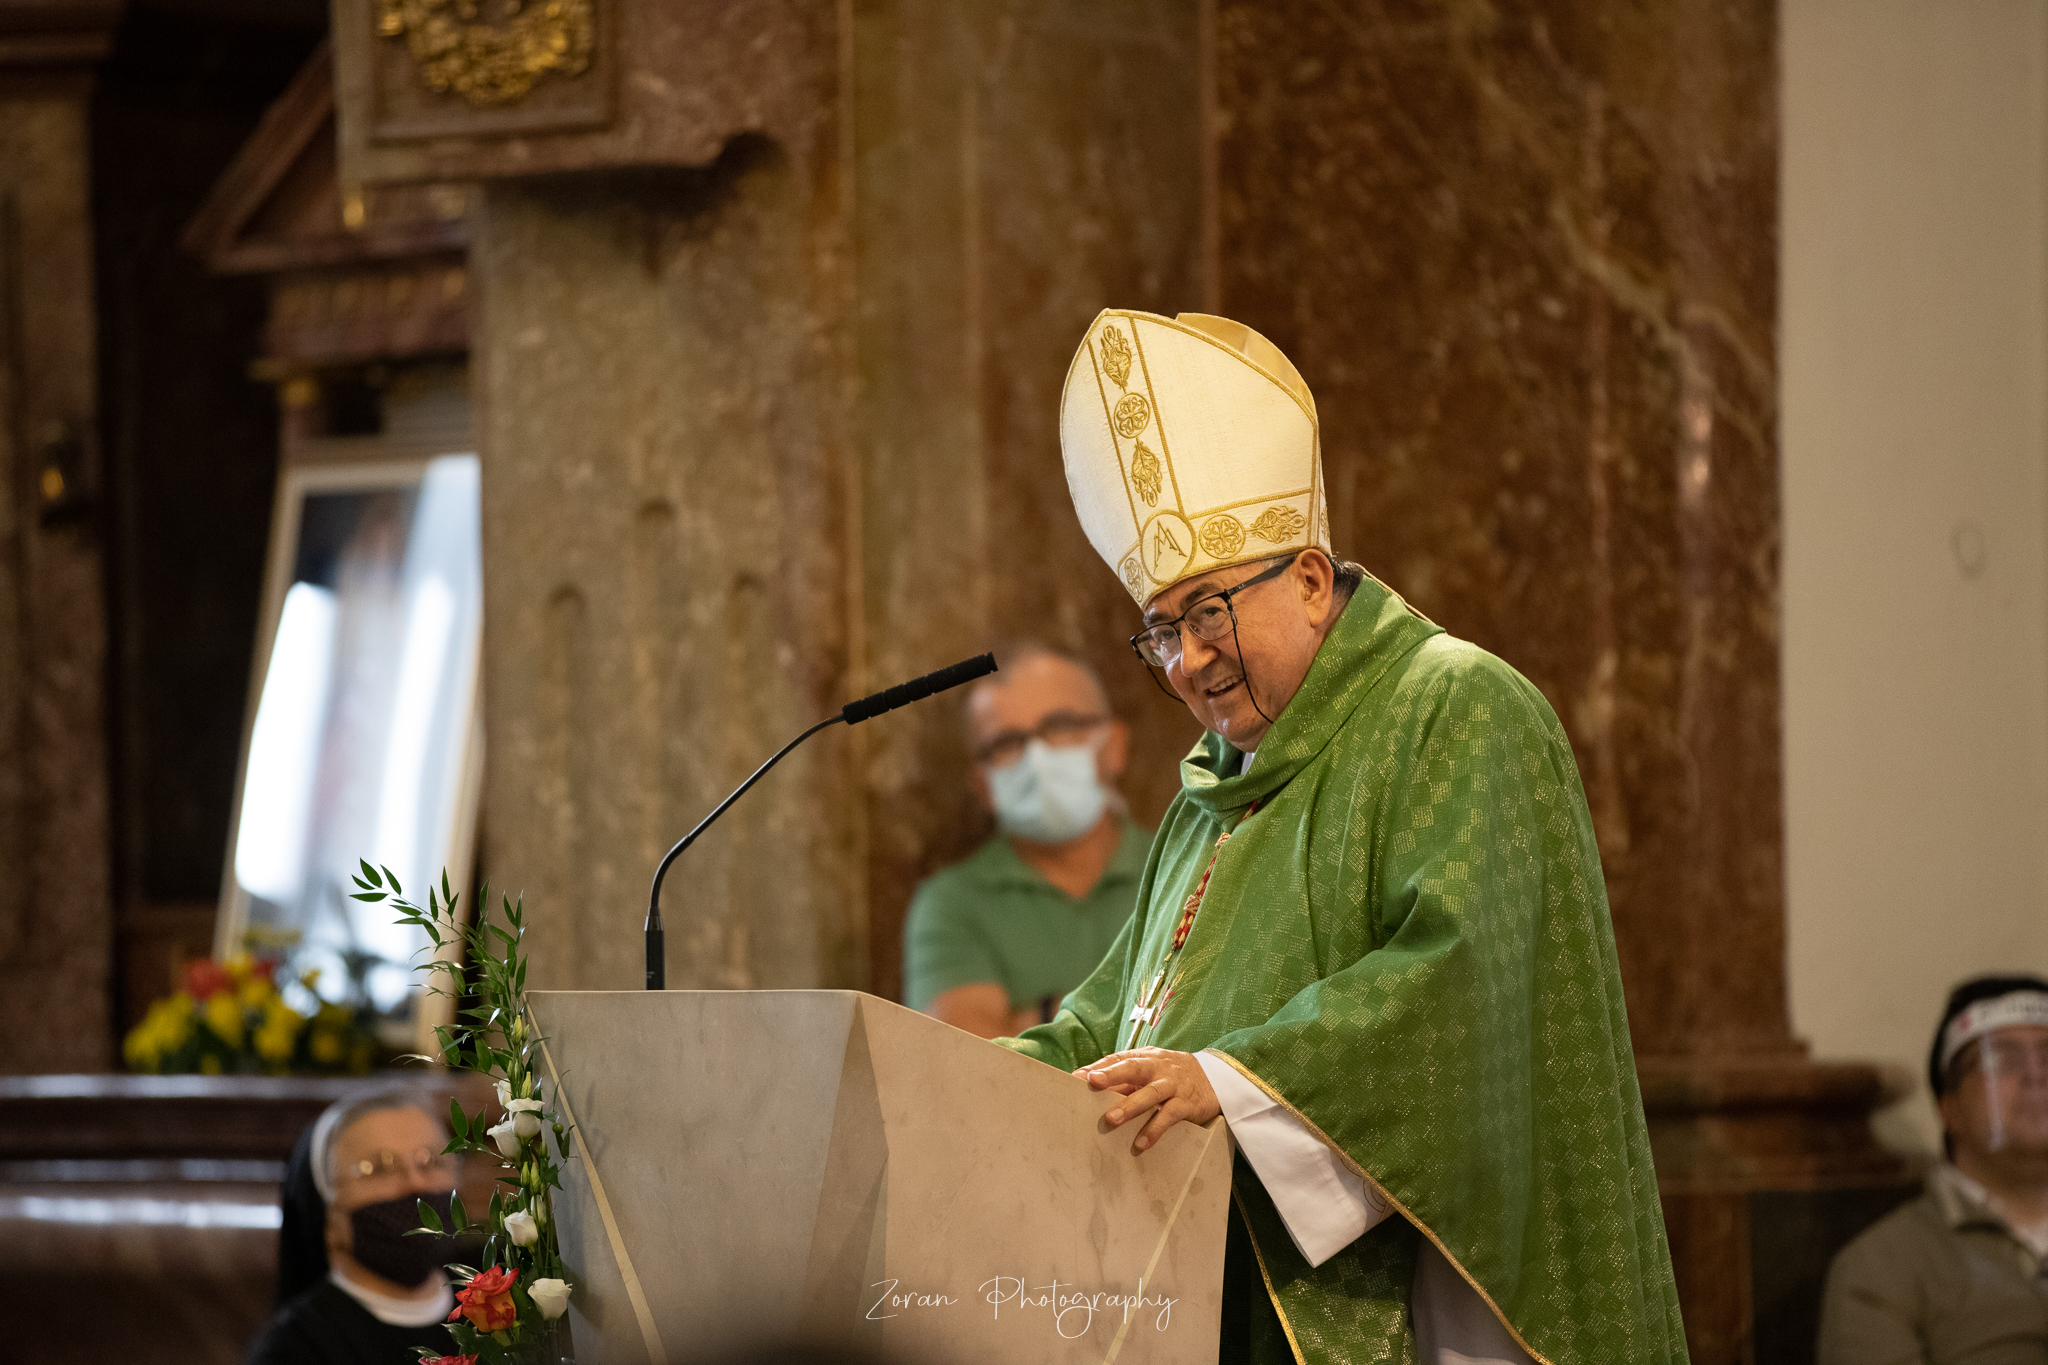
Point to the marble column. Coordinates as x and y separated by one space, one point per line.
1527 259
55 898
665 596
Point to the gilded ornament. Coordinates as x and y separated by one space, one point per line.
1278 524
1116 356
1222 536
1130 415
1145 472
491 62
1166 544
1133 575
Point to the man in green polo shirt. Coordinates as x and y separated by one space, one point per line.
992 943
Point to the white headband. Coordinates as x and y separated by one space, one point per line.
1988 1016
321 1149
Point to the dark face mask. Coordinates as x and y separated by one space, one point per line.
380 1244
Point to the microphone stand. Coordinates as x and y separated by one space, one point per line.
853 713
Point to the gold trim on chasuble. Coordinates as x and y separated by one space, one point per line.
1265 1275
1397 1205
1169 541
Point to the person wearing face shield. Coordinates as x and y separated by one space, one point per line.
992 943
369 1162
1959 1276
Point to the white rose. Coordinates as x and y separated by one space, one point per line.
549 1296
525 1116
523 1231
504 1092
507 1138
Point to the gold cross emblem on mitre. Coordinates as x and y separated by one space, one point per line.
1191 443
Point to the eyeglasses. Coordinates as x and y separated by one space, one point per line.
425 1161
1210 618
1061 730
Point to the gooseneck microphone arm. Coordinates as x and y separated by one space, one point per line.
853 713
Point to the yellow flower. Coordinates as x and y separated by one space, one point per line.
139 1048
238 967
224 1017
279 1033
326 1046
210 1064
173 1021
255 991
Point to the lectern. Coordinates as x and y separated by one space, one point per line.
755 1167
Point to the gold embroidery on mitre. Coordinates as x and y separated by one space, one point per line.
1133 575
1145 475
1166 545
1278 524
1222 536
1116 356
1130 415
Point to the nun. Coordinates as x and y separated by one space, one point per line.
353 1287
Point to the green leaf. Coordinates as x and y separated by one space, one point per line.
458 1215
396 889
372 896
370 873
429 1219
457 1119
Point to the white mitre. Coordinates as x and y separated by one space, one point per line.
1191 444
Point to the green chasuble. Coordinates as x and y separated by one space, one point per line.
1408 945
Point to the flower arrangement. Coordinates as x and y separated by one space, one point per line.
232 1019
509 1311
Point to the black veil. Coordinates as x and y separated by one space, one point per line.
302 1237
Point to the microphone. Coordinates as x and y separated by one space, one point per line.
853 713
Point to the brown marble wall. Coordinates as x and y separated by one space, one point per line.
55 911
1007 186
1526 257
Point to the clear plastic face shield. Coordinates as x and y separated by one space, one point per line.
1998 1076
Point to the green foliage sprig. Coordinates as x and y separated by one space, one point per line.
508 1309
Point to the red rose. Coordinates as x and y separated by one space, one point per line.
204 976
487 1300
447 1360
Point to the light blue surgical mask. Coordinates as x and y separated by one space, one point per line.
1049 795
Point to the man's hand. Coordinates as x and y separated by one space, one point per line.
1171 1084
